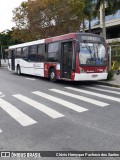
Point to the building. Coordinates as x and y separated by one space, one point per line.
112 23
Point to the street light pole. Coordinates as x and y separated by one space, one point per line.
1 52
104 27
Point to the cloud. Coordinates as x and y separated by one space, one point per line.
6 8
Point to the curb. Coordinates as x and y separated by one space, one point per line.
3 68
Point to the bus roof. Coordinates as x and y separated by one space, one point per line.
61 37
27 44
53 39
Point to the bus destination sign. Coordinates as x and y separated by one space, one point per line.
91 38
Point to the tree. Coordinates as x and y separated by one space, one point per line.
89 12
44 18
6 40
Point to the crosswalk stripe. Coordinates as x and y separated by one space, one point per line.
109 87
95 94
99 89
61 102
50 112
19 116
89 100
0 131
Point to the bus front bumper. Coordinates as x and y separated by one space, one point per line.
90 76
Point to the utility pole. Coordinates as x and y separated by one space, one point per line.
1 52
102 18
1 55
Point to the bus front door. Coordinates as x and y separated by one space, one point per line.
66 60
13 60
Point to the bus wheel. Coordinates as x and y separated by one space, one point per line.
53 75
18 70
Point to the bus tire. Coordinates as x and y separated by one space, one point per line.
18 70
53 75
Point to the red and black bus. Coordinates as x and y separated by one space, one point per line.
73 56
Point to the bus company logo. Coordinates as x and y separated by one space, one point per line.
90 71
37 65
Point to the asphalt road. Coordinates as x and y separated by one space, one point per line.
37 115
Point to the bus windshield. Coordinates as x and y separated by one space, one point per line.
93 54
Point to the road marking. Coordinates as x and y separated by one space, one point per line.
32 79
95 94
19 116
89 100
61 102
0 131
1 95
50 112
109 87
99 89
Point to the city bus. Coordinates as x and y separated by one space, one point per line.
73 57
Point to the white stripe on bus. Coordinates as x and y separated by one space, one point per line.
95 94
89 100
50 112
61 102
19 116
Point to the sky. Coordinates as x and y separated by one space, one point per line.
6 8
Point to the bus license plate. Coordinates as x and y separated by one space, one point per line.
95 75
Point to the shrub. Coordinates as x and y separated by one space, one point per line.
110 75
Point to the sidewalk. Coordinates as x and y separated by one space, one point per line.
3 67
114 83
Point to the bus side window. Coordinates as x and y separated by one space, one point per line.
18 52
9 54
33 53
53 52
25 53
41 56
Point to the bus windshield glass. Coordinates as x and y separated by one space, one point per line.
92 54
